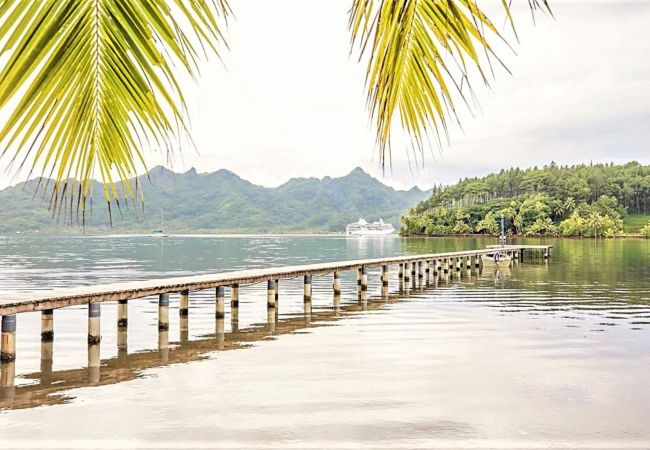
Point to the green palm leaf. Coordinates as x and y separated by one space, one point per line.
94 85
421 54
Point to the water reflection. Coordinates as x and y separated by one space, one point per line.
48 387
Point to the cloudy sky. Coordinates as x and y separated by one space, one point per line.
289 100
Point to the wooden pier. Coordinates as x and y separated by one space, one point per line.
413 270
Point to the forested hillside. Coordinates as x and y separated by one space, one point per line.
217 202
583 200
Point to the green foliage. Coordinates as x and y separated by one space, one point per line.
645 231
223 202
583 200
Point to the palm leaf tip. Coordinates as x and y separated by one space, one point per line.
421 57
92 85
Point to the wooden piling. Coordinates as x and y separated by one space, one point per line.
364 279
336 285
219 311
384 281
270 294
94 323
234 307
184 303
47 325
163 312
8 339
307 288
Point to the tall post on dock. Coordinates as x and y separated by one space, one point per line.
364 279
427 271
400 277
420 273
219 311
47 339
407 277
163 312
234 307
184 316
468 262
8 340
270 295
184 304
277 292
94 339
122 324
413 274
458 263
359 281
94 323
336 285
307 289
477 261
384 281
270 306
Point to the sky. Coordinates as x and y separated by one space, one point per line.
288 100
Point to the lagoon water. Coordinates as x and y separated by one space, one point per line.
543 355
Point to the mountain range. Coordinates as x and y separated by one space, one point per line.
219 201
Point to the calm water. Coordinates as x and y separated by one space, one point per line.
542 355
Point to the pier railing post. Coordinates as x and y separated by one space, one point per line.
407 274
184 315
384 281
364 279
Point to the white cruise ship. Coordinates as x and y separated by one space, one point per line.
363 228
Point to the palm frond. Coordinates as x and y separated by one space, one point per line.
92 84
422 55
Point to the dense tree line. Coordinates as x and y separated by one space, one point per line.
582 200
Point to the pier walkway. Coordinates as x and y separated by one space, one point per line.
412 271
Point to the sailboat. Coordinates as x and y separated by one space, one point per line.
160 233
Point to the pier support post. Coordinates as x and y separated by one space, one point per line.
446 266
277 292
468 262
307 289
458 264
420 273
407 274
234 307
364 279
521 255
384 281
94 339
94 321
270 306
163 312
8 344
270 295
184 316
477 261
47 325
184 304
336 285
219 303
413 273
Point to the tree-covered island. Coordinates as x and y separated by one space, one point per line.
584 200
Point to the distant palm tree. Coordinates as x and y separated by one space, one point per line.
91 84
